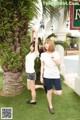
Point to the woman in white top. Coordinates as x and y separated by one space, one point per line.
29 66
50 61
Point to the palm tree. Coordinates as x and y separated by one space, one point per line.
15 16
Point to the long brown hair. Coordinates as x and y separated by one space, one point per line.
51 45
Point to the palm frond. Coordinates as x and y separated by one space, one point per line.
49 10
52 35
66 8
64 44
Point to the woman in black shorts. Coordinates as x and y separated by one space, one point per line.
50 62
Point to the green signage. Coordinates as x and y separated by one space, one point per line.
76 13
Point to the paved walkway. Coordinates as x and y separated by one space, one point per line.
71 65
73 52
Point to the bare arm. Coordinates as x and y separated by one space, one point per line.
36 41
42 70
32 35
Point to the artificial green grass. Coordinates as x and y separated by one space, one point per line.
67 106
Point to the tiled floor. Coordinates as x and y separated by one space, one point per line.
71 66
70 80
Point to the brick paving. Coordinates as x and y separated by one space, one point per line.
73 52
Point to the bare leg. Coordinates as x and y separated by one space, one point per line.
49 98
57 92
39 86
33 91
28 85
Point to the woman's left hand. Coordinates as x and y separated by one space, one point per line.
53 59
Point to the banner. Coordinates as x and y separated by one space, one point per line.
75 17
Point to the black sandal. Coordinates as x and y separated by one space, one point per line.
51 110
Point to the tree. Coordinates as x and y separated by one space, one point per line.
15 16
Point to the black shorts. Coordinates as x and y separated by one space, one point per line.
50 82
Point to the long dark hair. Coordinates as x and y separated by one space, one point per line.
32 43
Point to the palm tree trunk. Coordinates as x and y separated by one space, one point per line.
12 83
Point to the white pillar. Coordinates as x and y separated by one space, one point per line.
61 37
61 52
61 33
77 79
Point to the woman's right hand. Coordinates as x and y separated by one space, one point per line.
41 80
33 30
